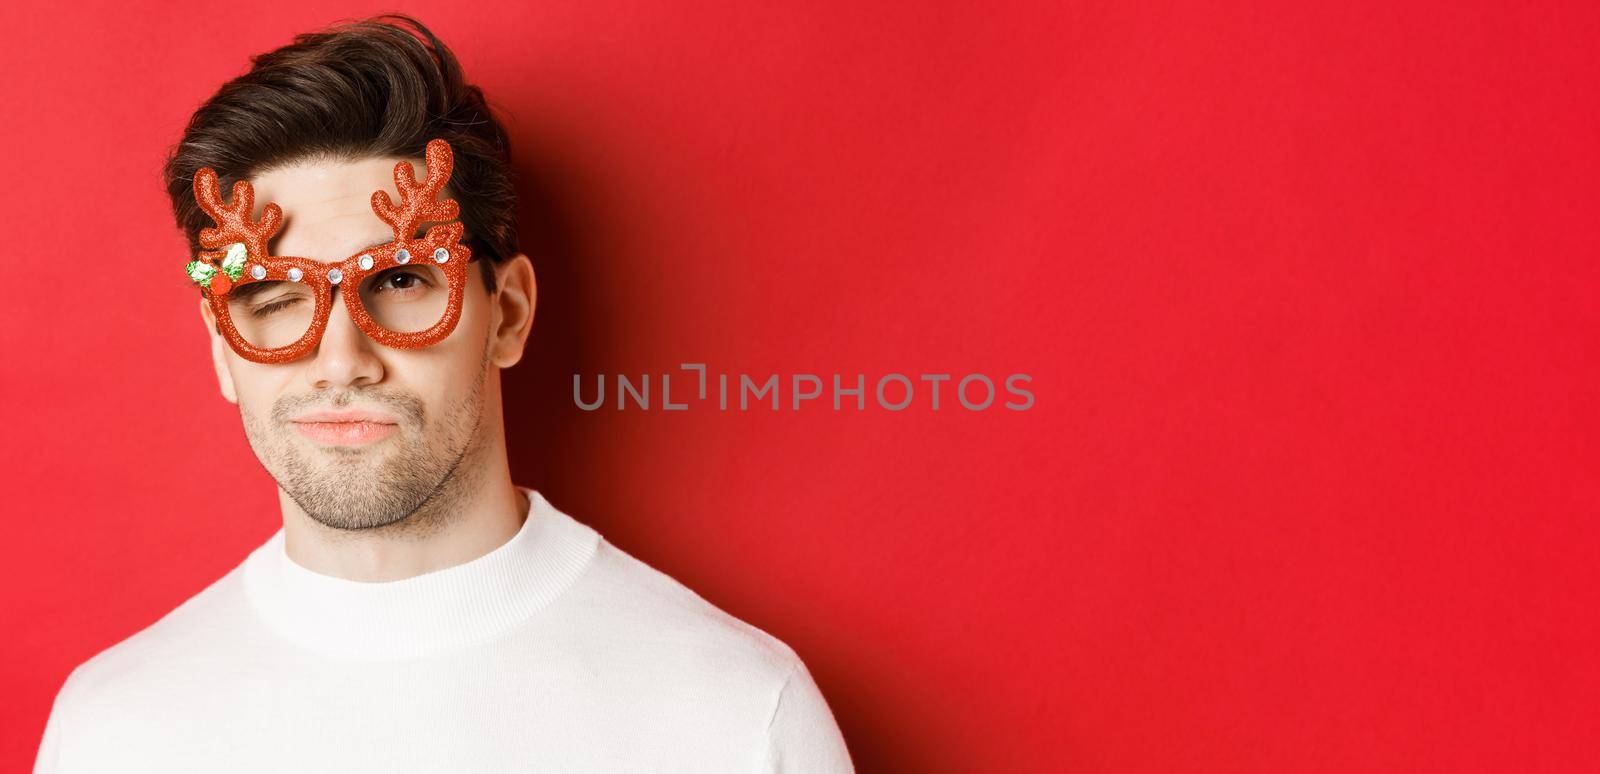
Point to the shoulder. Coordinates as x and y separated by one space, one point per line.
175 646
636 618
671 648
673 620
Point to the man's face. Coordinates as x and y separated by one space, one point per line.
360 435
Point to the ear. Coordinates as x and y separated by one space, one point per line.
515 297
219 352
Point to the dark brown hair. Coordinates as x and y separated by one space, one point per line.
377 87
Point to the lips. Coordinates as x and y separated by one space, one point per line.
345 428
351 415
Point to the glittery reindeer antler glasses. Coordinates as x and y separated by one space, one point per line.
273 309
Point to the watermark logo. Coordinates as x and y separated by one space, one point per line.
742 392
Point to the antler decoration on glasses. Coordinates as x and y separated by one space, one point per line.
241 237
418 201
237 240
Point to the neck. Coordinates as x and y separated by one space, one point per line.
428 614
474 512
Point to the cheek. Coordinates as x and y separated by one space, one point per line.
255 386
444 378
464 347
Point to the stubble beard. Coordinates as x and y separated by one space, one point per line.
409 488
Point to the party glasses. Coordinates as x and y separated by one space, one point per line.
273 309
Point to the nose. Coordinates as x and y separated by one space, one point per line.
345 357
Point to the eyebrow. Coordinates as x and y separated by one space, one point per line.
251 289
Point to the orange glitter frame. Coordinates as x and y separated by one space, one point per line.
238 256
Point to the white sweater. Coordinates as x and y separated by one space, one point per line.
554 652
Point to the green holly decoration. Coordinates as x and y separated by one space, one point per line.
201 272
233 263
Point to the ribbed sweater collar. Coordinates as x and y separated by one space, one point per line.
425 614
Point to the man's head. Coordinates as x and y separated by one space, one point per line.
316 127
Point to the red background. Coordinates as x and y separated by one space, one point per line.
1307 295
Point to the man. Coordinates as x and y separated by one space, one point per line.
417 612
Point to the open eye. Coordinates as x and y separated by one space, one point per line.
400 280
407 299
